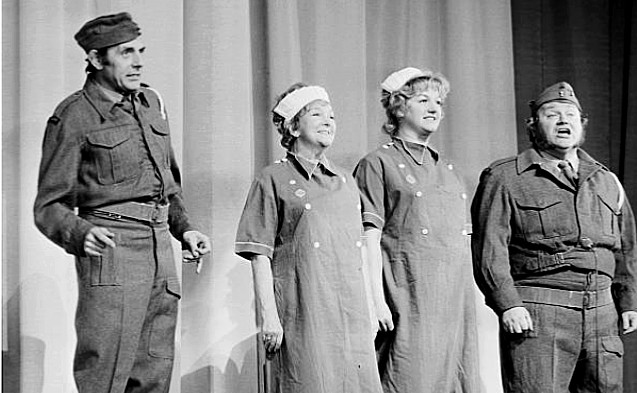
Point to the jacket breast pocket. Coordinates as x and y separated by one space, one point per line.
608 215
161 139
113 153
544 218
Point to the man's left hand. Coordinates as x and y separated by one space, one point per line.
629 321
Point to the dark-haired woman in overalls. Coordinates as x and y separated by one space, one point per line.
301 230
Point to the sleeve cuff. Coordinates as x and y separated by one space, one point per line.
74 244
626 299
373 219
247 249
504 299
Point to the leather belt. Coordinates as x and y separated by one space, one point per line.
150 213
565 298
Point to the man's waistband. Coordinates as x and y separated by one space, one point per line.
150 213
565 298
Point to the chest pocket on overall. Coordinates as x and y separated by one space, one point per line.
114 154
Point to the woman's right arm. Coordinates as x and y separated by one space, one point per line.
375 266
267 314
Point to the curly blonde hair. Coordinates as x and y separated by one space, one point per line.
395 102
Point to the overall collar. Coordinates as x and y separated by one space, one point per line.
308 168
419 152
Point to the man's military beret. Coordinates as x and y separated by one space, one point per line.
560 91
107 30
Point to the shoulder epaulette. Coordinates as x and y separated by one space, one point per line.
622 193
62 106
387 145
502 161
162 106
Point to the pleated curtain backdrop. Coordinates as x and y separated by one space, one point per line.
218 65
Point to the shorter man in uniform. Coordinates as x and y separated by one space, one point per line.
109 193
555 255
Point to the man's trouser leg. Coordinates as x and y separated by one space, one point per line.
156 350
118 304
600 366
559 350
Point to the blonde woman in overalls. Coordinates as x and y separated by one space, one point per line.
414 213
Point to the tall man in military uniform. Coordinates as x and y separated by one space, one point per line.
109 193
555 255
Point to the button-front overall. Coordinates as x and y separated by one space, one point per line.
313 239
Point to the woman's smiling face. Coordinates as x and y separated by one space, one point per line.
423 112
317 127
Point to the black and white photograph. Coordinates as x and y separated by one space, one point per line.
319 196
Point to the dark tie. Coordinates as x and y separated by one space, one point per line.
128 104
567 170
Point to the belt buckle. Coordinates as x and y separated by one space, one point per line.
155 214
589 299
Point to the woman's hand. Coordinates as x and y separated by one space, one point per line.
271 333
383 314
267 315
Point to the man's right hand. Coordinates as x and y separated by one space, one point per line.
516 320
96 240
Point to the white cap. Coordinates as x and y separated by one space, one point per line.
292 103
398 79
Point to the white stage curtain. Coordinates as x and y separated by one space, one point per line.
219 65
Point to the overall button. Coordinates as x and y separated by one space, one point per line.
463 195
401 166
293 182
450 166
419 193
464 232
308 206
359 244
317 244
425 231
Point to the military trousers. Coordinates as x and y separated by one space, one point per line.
571 349
127 311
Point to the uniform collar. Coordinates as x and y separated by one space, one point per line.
309 167
532 157
419 152
103 100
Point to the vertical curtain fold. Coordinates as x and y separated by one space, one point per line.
218 66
